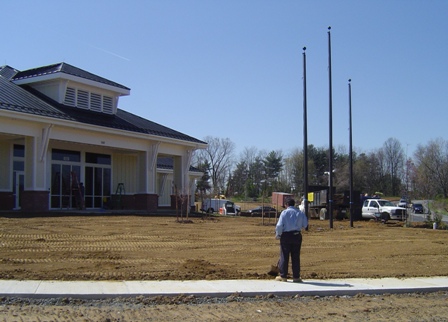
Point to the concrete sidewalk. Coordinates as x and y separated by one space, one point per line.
218 288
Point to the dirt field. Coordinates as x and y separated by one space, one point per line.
160 248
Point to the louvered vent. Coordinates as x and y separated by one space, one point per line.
107 104
95 102
83 99
89 101
70 96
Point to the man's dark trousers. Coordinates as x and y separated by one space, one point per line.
290 244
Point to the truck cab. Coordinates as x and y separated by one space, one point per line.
382 209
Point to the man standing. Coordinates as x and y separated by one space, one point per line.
288 230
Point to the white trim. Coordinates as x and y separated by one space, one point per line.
100 129
64 76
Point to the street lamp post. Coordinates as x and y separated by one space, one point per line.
305 140
351 151
330 150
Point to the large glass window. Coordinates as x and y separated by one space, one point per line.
19 151
18 174
65 155
65 178
64 185
97 158
97 186
98 179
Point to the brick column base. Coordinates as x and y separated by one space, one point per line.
181 202
6 200
34 201
146 201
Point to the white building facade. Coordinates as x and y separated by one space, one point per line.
65 144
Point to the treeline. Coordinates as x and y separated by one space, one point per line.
388 170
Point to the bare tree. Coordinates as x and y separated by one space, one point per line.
219 155
431 162
248 155
394 155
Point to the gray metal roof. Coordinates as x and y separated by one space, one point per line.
8 72
65 69
15 98
24 99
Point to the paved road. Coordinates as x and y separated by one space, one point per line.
423 217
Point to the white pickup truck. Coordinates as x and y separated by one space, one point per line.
380 209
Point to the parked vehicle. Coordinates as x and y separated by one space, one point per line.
402 203
260 210
221 206
382 209
318 203
417 208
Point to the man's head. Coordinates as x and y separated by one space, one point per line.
291 202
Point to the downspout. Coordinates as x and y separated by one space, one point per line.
44 143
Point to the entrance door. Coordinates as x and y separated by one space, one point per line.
97 186
18 186
61 185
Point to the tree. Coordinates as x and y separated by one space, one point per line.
256 174
244 174
361 173
289 172
432 167
239 178
219 155
394 157
203 184
319 159
273 164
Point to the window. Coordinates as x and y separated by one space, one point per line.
19 151
65 155
97 158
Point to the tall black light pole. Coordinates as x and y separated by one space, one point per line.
350 150
305 139
330 153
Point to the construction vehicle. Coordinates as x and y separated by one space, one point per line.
318 203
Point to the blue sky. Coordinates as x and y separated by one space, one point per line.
234 69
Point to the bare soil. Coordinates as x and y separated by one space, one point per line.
164 248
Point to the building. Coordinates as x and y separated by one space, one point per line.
62 136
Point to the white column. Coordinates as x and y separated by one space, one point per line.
35 169
148 169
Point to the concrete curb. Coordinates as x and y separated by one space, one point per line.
218 288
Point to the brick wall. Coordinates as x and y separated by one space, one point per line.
34 201
148 202
6 201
